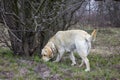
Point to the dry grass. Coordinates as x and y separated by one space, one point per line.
107 42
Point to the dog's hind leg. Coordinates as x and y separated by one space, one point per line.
85 59
72 57
82 49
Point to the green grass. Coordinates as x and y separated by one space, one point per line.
102 68
104 61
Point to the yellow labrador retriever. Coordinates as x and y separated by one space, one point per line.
69 41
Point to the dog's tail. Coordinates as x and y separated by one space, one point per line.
93 34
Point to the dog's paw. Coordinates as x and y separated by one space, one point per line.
87 70
73 64
55 61
80 65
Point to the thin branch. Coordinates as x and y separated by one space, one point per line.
36 24
32 5
9 29
39 7
15 16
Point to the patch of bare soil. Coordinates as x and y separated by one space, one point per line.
44 72
7 74
117 66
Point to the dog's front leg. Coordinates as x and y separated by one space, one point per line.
72 57
57 59
81 64
59 56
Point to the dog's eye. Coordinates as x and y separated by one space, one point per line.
44 55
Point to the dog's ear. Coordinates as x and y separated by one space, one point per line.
53 47
49 52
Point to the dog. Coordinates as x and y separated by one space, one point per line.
69 41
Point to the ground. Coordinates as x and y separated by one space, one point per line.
104 60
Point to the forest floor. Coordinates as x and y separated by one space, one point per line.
104 61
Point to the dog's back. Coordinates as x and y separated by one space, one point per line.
67 39
71 35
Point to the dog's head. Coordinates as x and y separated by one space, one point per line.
47 53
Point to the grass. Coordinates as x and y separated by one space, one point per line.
102 68
104 60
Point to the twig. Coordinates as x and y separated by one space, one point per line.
15 16
9 29
31 5
39 7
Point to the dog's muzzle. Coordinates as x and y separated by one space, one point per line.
45 59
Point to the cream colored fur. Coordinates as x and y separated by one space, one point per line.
69 41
